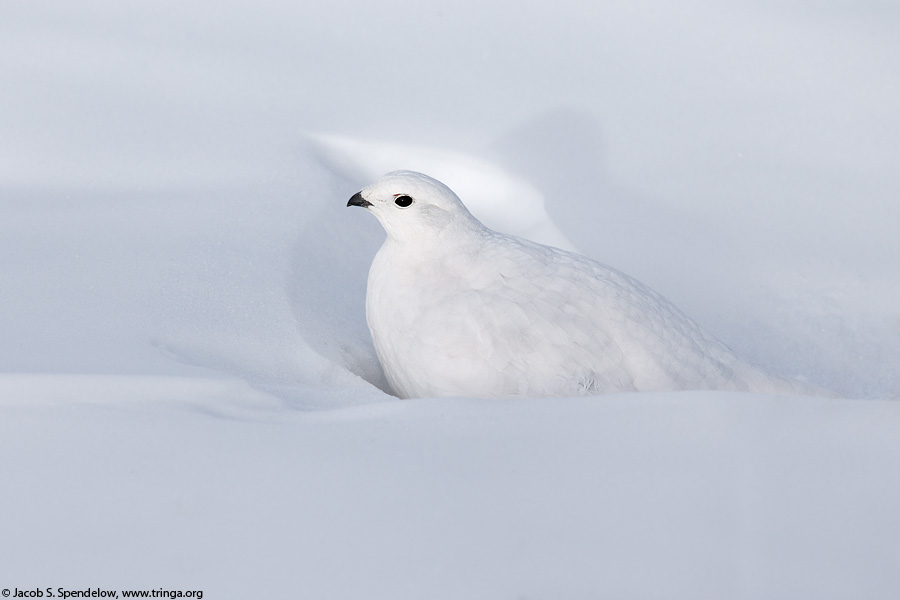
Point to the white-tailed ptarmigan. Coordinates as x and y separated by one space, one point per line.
456 309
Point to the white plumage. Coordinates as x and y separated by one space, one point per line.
456 309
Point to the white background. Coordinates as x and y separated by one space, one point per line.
188 394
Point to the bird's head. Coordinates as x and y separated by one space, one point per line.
414 207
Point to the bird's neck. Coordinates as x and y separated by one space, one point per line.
439 239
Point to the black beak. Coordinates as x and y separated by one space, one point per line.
358 200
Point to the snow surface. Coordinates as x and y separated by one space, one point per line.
188 394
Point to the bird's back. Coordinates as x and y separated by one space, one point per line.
502 316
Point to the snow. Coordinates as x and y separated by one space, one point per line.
188 395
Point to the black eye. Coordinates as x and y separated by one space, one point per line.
402 201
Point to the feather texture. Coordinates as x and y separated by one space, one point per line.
456 309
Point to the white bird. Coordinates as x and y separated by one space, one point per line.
456 309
